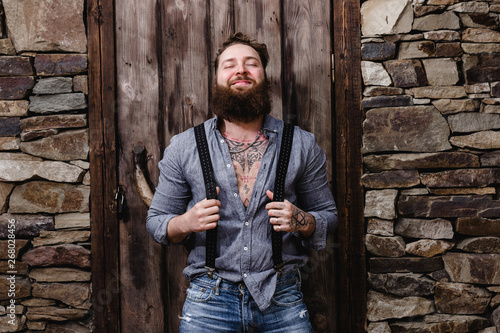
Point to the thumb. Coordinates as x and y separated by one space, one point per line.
270 195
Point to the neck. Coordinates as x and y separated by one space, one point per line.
241 131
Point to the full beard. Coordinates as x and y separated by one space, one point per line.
241 106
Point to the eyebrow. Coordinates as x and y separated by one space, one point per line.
245 58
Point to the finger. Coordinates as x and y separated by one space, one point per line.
270 195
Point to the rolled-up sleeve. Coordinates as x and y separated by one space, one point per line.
172 194
315 197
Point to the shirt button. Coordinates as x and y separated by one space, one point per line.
246 223
236 195
228 165
222 141
245 275
245 248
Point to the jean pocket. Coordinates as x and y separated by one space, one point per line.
199 293
287 295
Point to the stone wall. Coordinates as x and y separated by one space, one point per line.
44 167
431 147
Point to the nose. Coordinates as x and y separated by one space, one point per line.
240 70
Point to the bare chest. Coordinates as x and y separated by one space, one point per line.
246 162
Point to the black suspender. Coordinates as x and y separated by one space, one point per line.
279 192
211 192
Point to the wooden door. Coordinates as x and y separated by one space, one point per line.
164 72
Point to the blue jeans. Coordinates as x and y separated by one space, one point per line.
216 305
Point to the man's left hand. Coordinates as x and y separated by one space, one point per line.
284 216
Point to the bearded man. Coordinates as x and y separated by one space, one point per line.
248 290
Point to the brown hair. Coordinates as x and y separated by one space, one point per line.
240 38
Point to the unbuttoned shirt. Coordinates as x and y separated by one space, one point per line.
244 251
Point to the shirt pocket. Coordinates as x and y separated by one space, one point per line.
199 293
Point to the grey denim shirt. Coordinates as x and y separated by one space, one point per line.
244 252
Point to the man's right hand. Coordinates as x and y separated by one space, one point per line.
201 217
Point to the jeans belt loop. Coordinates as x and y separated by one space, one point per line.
217 286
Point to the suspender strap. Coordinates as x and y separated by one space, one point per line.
279 192
211 192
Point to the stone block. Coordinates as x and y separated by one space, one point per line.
428 247
13 171
437 92
479 140
20 245
9 126
491 159
59 255
5 191
59 274
445 160
391 247
477 88
381 91
386 17
480 245
476 35
380 227
47 197
66 146
483 67
379 327
80 84
53 85
442 35
72 221
68 327
442 323
76 295
420 228
57 103
26 225
473 122
386 101
473 268
495 89
463 191
6 47
391 179
479 48
405 264
460 298
378 51
449 206
18 326
55 313
441 72
417 129
479 20
383 306
60 64
478 226
462 178
374 74
406 73
53 122
450 106
381 203
446 21
402 284
14 108
58 25
15 66
22 287
15 87
421 10
421 49
448 50
61 237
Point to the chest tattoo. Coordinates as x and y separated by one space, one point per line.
246 164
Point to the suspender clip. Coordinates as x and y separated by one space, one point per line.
279 269
210 271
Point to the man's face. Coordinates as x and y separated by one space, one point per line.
240 68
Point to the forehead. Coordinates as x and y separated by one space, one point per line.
238 51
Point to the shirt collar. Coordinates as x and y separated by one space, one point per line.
271 124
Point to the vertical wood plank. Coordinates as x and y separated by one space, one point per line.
221 27
261 19
308 49
348 135
141 259
104 224
185 71
307 102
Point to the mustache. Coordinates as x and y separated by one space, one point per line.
239 78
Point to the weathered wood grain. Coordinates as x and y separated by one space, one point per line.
141 259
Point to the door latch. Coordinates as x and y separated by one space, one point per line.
120 202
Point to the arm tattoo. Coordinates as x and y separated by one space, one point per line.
300 219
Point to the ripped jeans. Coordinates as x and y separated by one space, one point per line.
216 305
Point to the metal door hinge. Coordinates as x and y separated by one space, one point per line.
333 68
